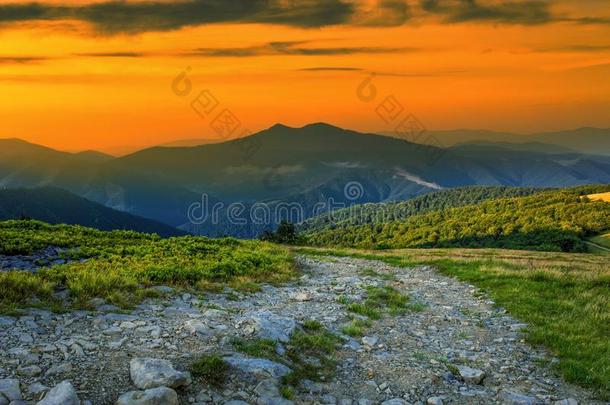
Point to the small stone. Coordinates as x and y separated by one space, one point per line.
471 375
29 371
37 389
302 296
151 373
153 396
434 401
62 394
59 369
566 401
516 398
395 401
370 340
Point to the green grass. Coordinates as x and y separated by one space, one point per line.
565 299
260 348
211 368
602 240
356 327
122 266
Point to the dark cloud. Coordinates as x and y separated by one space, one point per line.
508 12
113 17
112 54
21 59
575 48
290 48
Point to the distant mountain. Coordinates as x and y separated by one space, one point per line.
57 206
595 141
294 172
181 143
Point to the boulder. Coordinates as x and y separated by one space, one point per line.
11 389
471 375
153 396
152 373
62 394
516 398
267 325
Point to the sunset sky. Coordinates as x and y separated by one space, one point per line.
89 74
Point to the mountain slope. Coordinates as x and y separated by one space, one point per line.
555 220
380 213
56 206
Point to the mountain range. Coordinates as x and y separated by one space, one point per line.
309 170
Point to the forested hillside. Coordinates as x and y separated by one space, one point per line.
378 213
556 220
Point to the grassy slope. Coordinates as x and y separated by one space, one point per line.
554 220
121 266
565 298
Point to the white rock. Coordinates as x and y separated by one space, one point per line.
153 396
62 394
471 375
267 325
567 401
302 296
151 373
434 401
194 326
370 340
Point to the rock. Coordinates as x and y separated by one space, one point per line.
62 394
153 396
267 388
567 401
471 375
194 326
274 401
395 401
370 340
37 389
236 402
11 389
516 398
6 321
59 369
29 371
151 373
302 296
261 368
97 302
267 325
434 401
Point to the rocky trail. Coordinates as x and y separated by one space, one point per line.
451 346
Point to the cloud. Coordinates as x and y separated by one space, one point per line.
330 69
112 54
291 48
525 12
575 48
21 59
113 17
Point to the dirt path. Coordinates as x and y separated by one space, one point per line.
455 347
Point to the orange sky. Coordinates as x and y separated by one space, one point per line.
74 82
